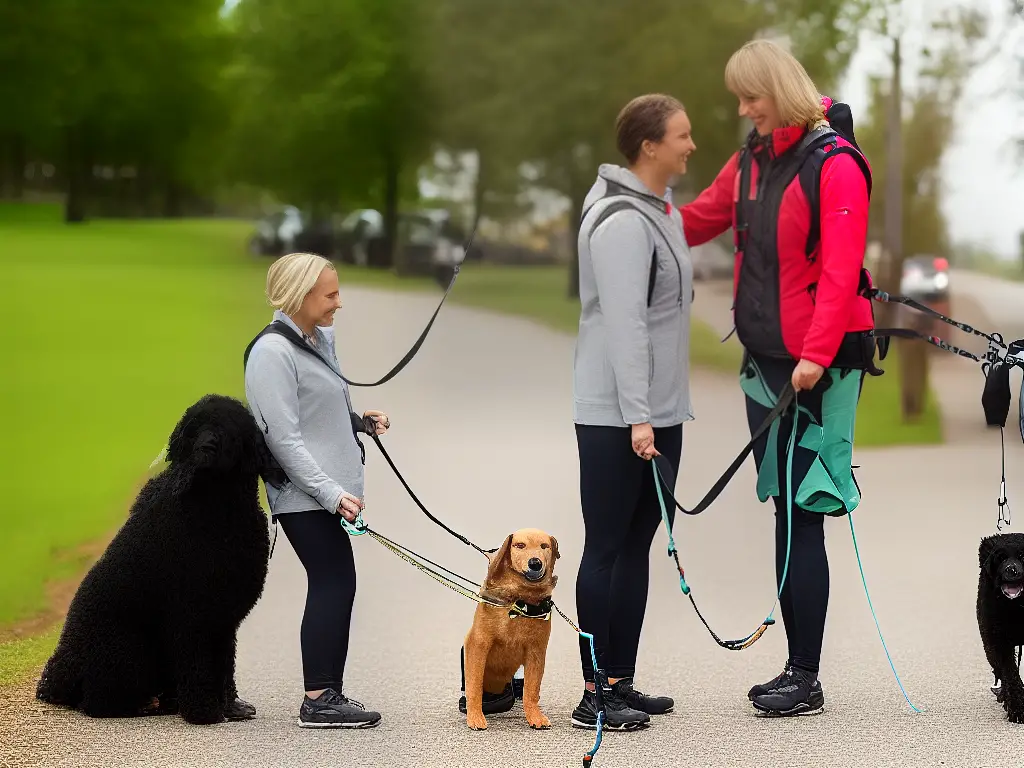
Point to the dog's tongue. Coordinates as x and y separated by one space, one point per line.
1013 591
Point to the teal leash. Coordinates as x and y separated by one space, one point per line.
745 642
874 616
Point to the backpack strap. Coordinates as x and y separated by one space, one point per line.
810 182
622 205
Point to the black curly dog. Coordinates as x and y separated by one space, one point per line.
152 627
1001 615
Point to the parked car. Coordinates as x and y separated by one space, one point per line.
712 261
925 279
289 229
276 233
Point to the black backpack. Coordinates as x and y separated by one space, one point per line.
840 119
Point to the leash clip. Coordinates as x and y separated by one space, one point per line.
1004 507
356 527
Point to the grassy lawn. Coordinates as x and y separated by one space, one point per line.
115 328
118 326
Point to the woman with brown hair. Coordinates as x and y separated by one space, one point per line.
630 391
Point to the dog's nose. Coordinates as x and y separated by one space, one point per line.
535 564
1012 571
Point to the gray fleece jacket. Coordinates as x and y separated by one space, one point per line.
632 361
306 414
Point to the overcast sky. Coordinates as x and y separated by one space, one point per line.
984 183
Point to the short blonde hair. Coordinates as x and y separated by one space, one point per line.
763 68
291 277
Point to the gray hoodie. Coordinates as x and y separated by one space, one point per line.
632 360
306 414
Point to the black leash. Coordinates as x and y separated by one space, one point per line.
995 340
419 342
667 476
415 498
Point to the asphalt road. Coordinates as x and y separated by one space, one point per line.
481 427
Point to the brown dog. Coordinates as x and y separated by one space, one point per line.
501 639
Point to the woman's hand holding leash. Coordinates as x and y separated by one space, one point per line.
349 507
806 375
643 441
376 422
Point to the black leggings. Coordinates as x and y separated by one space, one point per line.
804 599
621 515
325 551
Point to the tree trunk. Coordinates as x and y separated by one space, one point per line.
19 158
913 371
575 212
893 216
76 170
395 255
479 190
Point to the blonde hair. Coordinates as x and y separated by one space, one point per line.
291 277
763 68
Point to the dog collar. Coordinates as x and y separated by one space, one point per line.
541 610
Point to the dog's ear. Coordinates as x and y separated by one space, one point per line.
554 546
499 561
986 549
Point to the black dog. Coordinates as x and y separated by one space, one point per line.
152 627
1001 615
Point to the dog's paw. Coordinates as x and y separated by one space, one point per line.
1014 709
538 719
203 716
238 709
476 722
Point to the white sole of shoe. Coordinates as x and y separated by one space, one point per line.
350 726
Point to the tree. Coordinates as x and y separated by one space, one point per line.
335 107
923 131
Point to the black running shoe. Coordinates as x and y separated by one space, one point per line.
518 683
493 703
619 716
652 705
797 693
762 688
333 710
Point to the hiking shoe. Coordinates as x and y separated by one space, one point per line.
494 703
618 715
652 705
797 693
333 710
762 688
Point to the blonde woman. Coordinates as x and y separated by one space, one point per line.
798 309
298 397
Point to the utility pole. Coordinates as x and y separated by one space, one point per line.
893 218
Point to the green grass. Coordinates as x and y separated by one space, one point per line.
19 658
115 327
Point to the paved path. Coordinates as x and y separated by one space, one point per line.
482 428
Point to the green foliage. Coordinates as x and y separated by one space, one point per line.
331 98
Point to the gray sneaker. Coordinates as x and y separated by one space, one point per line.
333 710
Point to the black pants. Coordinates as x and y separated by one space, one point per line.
621 515
804 599
325 551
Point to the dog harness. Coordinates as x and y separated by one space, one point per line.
541 610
